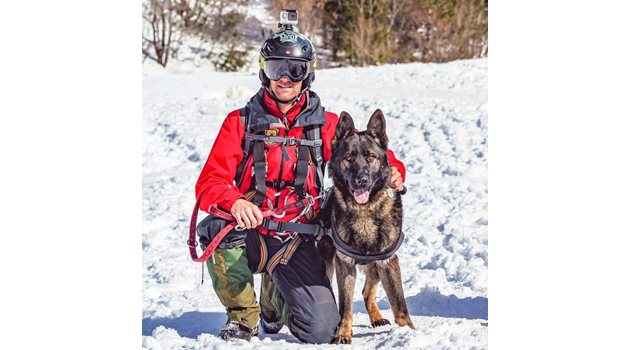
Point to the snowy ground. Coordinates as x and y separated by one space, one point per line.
437 122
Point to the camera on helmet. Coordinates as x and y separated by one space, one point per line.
288 18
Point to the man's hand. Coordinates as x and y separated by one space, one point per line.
247 214
396 180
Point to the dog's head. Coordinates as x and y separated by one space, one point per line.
359 164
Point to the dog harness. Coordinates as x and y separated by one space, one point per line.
360 257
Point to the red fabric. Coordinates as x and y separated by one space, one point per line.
217 175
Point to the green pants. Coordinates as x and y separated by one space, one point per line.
233 282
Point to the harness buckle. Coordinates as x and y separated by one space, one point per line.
271 225
291 141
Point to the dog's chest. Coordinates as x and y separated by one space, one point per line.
365 228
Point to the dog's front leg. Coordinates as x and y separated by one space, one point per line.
389 271
346 271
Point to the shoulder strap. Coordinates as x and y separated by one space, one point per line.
315 133
246 145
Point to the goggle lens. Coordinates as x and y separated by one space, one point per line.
294 70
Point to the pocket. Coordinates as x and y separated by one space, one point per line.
211 225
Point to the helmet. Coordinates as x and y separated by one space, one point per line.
288 53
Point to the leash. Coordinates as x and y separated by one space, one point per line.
214 210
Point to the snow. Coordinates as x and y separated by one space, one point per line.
437 117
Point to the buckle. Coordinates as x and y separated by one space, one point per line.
278 184
271 225
291 141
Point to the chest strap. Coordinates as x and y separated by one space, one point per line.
287 141
260 163
359 256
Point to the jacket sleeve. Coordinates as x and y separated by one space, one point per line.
216 181
328 132
393 161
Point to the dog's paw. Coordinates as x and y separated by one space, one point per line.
380 322
342 339
406 321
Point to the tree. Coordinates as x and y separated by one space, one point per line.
159 15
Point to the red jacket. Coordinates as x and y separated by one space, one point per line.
217 175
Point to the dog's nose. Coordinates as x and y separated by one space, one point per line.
361 181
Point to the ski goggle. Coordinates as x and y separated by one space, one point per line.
292 69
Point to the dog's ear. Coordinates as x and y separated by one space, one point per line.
345 126
376 128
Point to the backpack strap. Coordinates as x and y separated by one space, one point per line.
260 173
301 170
246 145
314 133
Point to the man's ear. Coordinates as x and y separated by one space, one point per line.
376 128
345 127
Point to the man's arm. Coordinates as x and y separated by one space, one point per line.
216 180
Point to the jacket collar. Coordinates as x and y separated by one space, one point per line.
264 113
272 107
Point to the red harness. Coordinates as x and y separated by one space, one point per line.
214 210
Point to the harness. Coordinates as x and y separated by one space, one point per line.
360 257
256 121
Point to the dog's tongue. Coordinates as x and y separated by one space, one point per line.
361 196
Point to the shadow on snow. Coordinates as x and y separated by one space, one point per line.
432 303
189 324
427 303
194 323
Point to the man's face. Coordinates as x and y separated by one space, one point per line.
285 89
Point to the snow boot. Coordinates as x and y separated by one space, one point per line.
270 327
234 330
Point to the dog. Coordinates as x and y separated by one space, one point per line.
367 215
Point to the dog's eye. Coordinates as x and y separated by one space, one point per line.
348 158
371 157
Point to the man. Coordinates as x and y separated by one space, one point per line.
268 155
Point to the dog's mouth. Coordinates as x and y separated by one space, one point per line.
361 195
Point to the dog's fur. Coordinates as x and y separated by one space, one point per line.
359 162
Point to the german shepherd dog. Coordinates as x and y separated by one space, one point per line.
367 217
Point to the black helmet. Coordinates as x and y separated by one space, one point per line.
294 55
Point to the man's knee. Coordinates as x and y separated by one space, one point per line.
317 324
